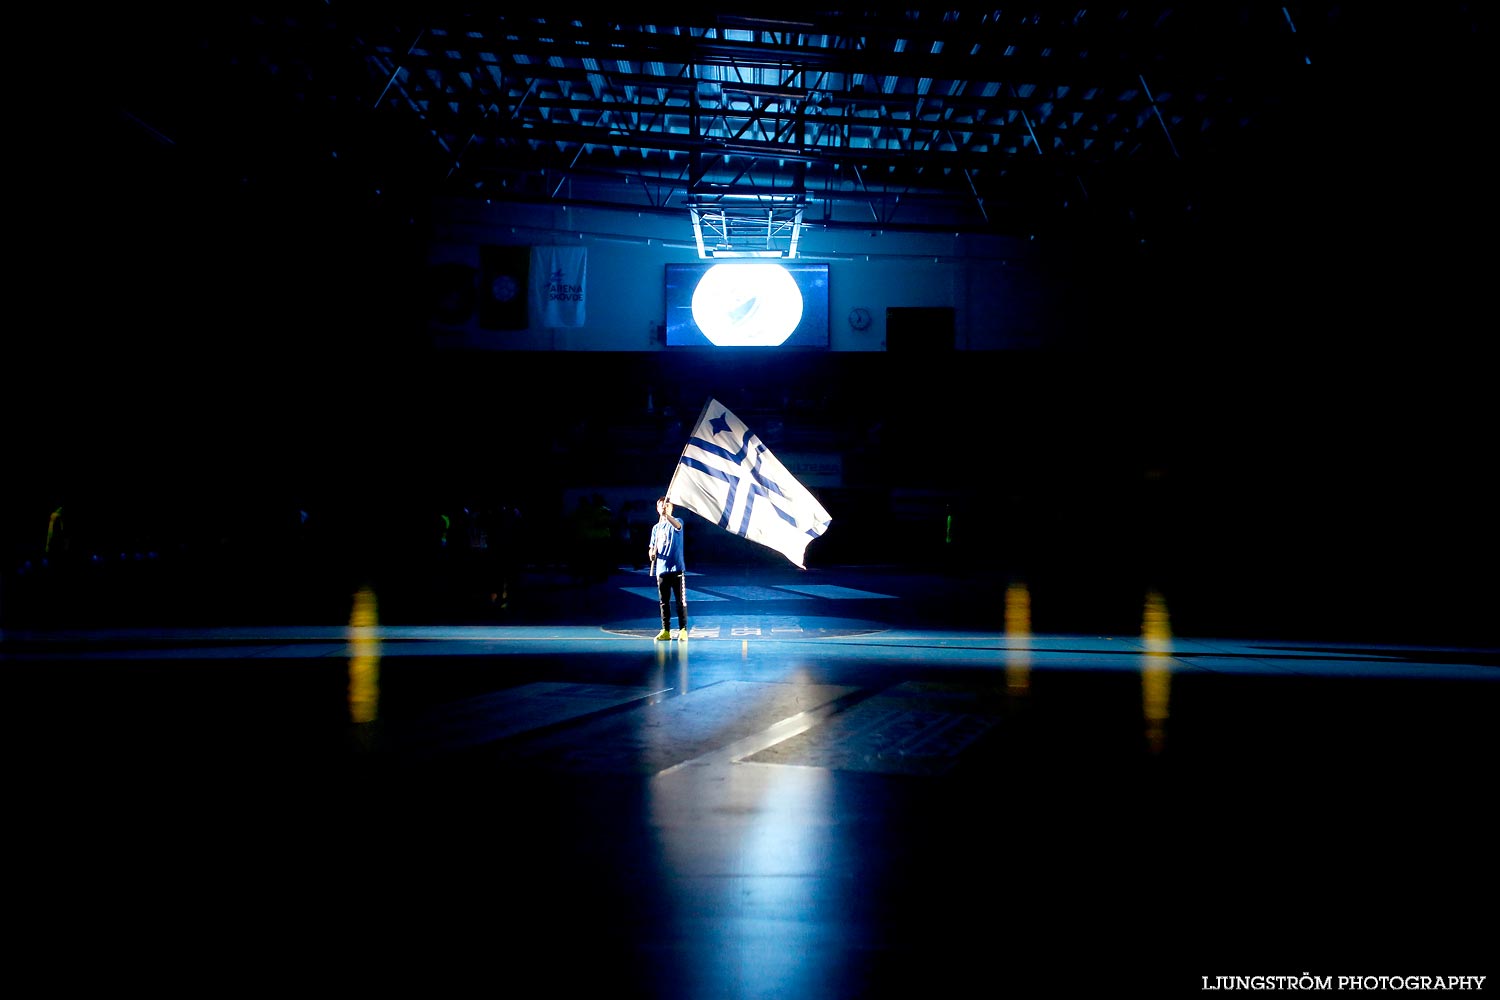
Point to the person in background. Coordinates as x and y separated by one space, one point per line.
664 556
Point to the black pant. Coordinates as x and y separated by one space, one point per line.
668 587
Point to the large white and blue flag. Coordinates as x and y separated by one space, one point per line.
727 476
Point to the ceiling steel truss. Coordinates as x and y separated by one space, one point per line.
1007 119
747 225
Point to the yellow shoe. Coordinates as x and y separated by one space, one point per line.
682 635
662 635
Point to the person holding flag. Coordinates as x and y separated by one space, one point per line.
665 557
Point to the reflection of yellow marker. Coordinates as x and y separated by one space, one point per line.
1156 670
364 659
1018 634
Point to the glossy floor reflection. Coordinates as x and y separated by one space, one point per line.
829 790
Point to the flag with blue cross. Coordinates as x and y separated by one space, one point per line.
727 476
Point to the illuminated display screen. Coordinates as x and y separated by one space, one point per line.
747 304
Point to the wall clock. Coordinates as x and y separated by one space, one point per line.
859 318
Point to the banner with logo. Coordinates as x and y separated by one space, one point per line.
558 281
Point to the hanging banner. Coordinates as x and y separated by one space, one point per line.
502 287
558 285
